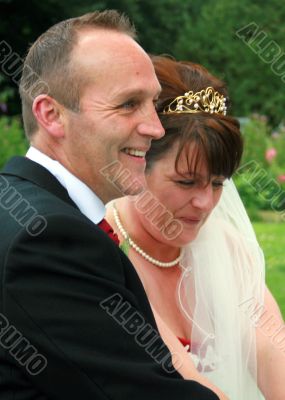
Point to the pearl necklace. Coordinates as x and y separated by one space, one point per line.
138 249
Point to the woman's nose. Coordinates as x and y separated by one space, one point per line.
204 198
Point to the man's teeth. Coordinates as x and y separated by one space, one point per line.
134 152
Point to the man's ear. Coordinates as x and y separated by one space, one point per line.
49 114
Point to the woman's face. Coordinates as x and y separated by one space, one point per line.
190 199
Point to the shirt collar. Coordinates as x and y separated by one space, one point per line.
88 203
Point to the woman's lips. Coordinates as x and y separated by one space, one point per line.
190 220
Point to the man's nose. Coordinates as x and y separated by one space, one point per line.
151 125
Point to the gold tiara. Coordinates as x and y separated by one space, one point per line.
207 100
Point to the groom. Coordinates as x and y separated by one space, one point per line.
74 319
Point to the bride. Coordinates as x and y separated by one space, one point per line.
193 247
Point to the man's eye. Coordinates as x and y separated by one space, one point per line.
129 105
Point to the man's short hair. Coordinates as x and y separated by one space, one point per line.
48 68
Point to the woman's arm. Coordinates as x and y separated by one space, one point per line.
181 359
270 339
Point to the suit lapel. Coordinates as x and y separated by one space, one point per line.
29 170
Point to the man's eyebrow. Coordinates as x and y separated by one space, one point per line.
137 93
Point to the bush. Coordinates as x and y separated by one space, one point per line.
278 164
251 200
261 178
255 133
12 139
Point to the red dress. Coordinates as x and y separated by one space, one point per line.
186 343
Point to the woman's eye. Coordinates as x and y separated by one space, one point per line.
218 184
186 183
191 183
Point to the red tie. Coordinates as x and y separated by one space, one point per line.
106 227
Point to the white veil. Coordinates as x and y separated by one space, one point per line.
223 272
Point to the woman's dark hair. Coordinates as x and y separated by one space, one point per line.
214 136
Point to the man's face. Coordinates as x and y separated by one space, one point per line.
117 118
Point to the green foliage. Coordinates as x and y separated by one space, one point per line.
272 240
261 177
21 23
213 40
255 133
204 32
252 201
12 139
278 142
159 24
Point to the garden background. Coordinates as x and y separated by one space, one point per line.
241 41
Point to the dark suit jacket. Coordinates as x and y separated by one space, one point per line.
75 322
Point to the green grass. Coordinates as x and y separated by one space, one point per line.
271 237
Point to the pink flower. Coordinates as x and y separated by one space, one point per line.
281 178
270 154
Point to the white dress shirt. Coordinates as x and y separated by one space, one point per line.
88 203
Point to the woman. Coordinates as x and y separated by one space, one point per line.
200 265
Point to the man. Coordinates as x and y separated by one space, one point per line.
75 321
